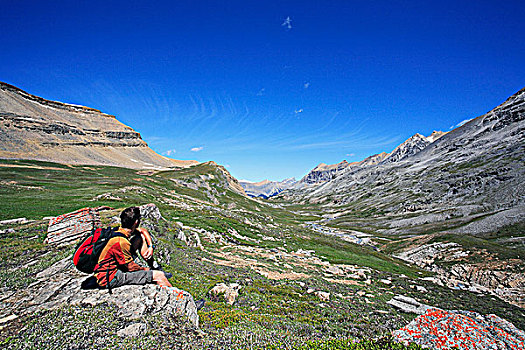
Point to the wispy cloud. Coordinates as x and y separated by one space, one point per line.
306 85
169 152
197 149
354 139
357 142
261 92
287 23
463 122
350 154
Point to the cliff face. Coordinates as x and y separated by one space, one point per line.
35 128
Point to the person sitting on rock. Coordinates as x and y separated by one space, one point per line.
115 264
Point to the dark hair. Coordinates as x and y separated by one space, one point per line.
129 216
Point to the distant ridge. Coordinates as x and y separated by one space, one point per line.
32 127
324 173
266 188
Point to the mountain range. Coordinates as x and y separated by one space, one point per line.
474 170
266 189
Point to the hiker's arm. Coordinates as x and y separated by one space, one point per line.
148 241
125 261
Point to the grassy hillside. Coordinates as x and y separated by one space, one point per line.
263 246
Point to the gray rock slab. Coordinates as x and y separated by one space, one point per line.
59 285
409 305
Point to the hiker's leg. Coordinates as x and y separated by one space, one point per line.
135 277
160 278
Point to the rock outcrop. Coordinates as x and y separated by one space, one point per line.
447 260
408 305
68 228
60 285
35 128
229 292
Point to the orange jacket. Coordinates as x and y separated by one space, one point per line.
115 256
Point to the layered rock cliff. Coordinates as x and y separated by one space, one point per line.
35 128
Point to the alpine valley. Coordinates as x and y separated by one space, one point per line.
362 255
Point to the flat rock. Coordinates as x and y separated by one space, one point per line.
133 330
14 221
408 305
324 296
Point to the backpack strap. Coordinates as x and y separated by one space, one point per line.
115 234
119 234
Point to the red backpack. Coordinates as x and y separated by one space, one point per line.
89 248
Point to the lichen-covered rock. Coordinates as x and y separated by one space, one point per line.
68 228
440 329
150 217
60 285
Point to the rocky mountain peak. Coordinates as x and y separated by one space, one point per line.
263 182
410 147
436 135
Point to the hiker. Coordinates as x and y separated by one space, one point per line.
116 264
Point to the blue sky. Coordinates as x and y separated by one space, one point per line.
269 89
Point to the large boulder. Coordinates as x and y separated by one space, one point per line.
68 228
60 285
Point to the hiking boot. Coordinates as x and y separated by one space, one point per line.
155 266
200 304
